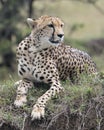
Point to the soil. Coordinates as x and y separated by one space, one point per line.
91 117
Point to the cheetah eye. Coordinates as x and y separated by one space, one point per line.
62 25
50 25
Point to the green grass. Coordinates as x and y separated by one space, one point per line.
76 96
7 90
7 96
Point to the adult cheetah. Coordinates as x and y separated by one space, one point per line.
42 57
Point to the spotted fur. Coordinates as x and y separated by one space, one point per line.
42 57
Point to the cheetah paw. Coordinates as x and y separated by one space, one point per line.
20 101
37 112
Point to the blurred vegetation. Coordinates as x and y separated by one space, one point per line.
83 22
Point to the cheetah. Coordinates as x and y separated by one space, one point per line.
42 57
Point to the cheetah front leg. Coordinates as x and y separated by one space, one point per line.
21 98
39 108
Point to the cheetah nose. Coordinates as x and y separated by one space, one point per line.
60 35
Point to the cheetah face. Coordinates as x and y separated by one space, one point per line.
48 30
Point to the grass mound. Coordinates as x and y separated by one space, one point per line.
76 96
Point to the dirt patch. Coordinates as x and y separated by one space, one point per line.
89 117
4 125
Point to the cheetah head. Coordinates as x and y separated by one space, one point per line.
47 30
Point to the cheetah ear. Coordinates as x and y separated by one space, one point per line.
32 23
